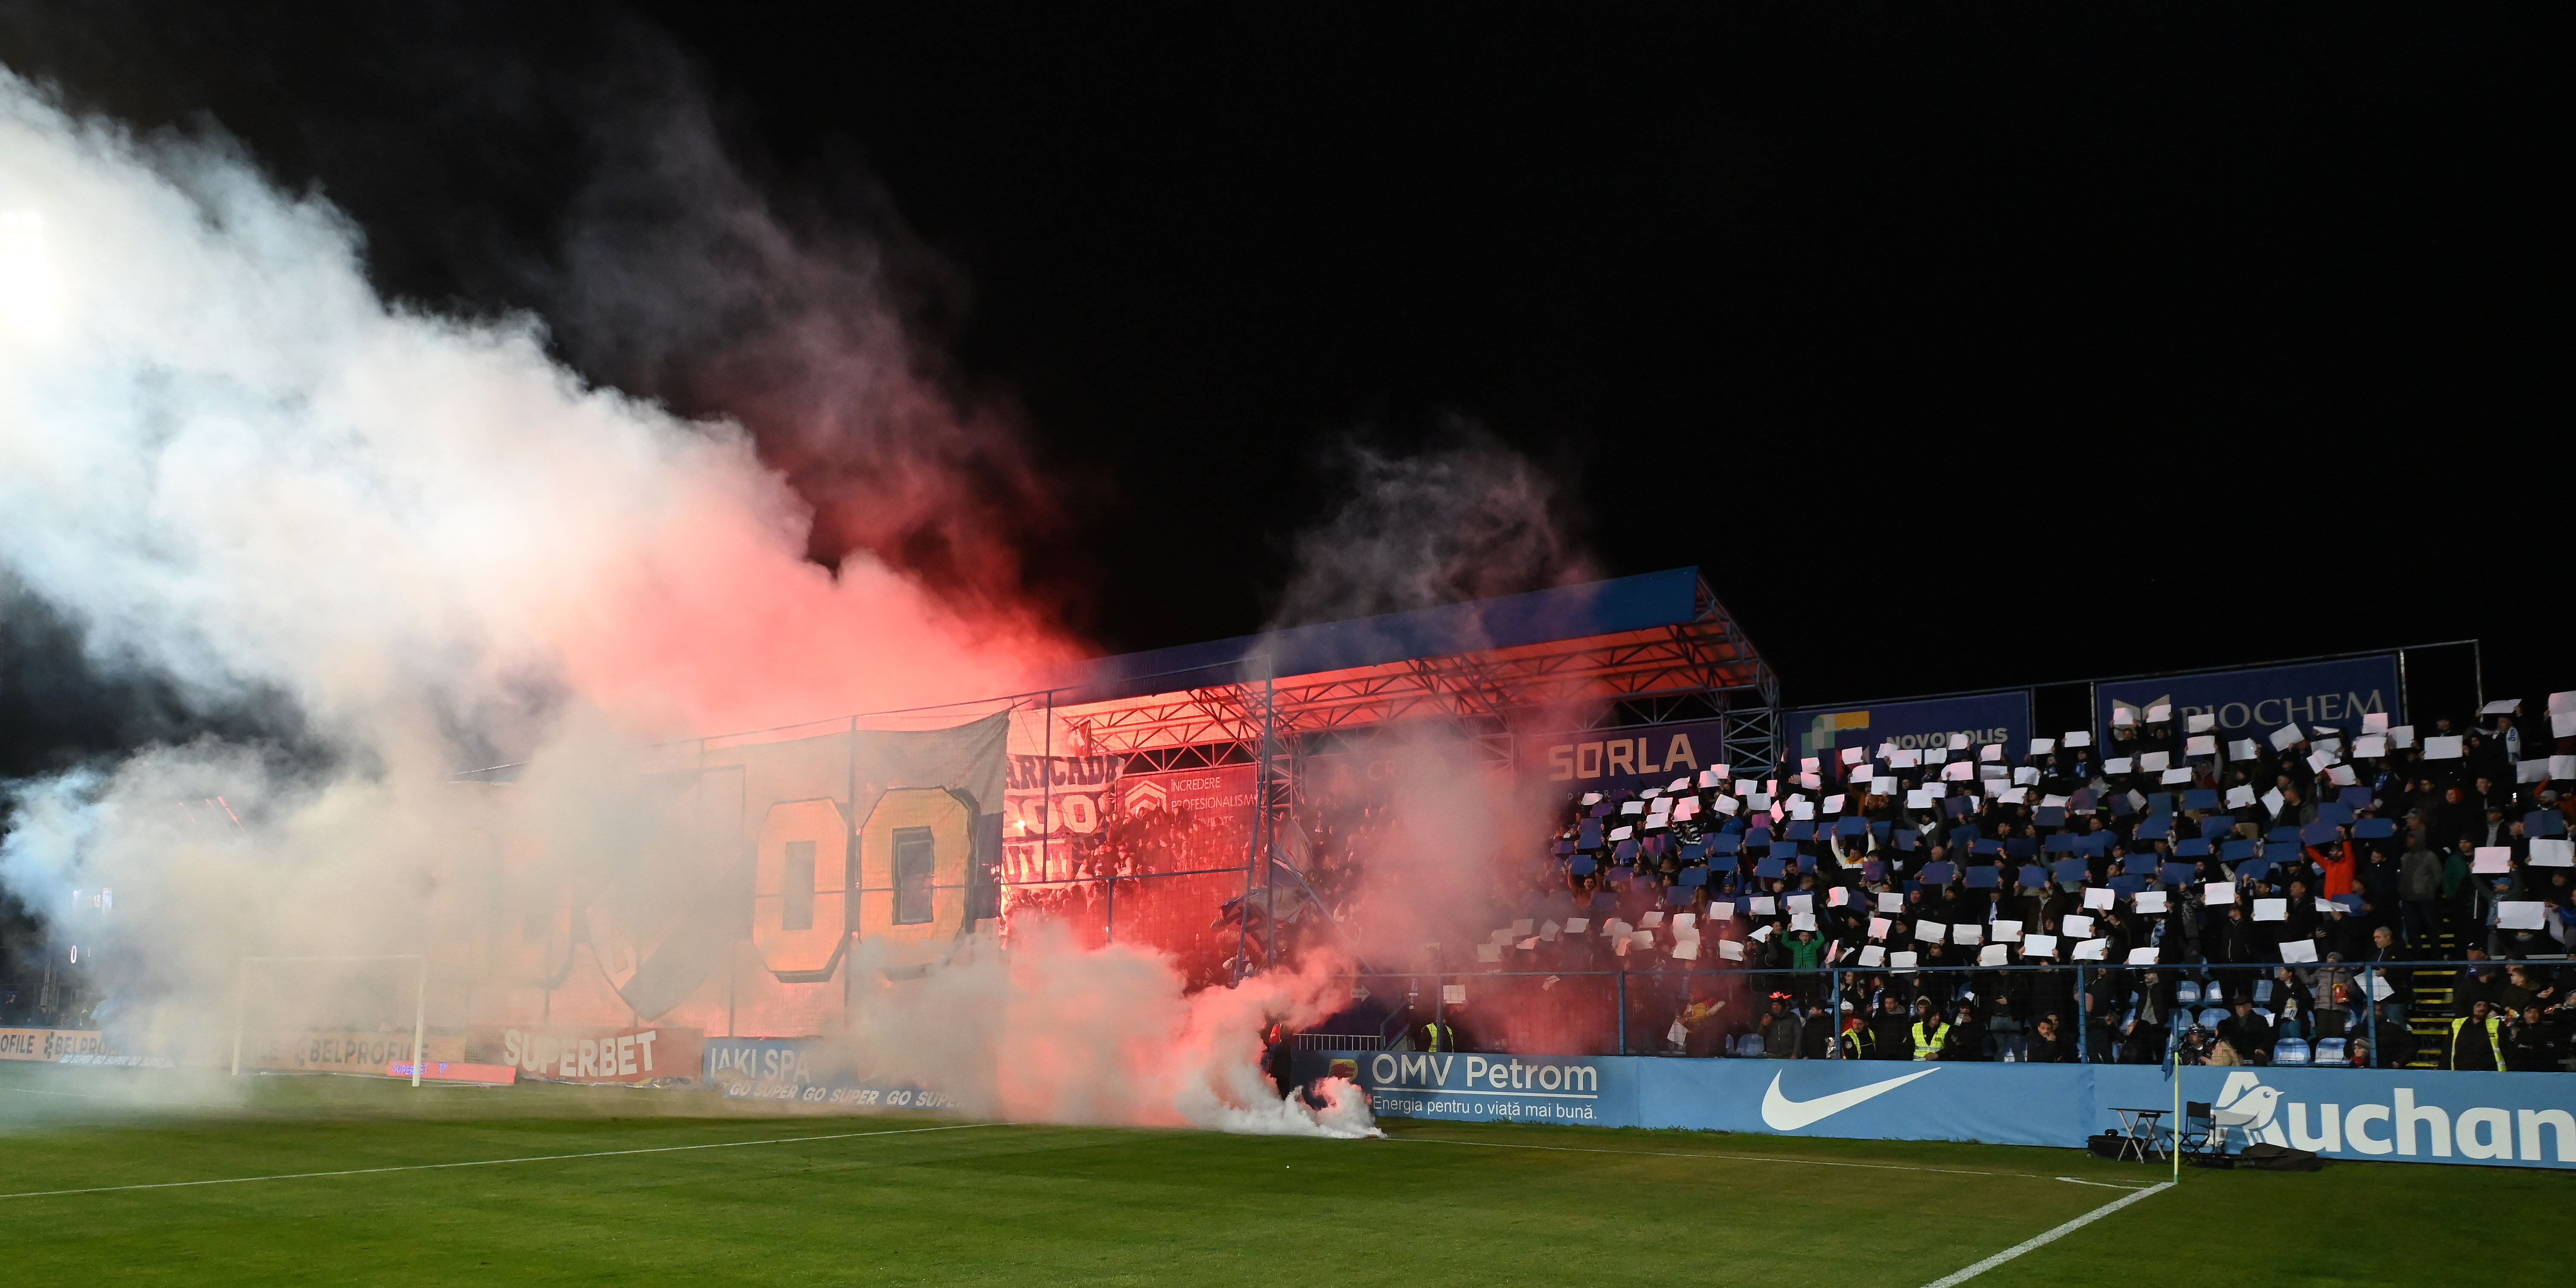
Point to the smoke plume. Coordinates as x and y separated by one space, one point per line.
418 543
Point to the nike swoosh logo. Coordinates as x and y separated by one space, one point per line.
1785 1114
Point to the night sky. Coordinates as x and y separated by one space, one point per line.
1959 349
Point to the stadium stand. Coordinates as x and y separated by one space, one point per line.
2170 895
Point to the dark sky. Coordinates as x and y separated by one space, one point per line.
1960 349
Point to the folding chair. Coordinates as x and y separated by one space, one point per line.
2198 1130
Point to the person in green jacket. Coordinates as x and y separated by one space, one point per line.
1806 952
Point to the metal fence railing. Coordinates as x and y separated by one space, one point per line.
1605 1012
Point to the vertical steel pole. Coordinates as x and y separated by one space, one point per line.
420 1020
2370 998
1269 833
1834 1018
1623 1010
2083 1021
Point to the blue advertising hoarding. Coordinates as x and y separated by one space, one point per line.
805 1070
1930 722
2388 1115
2260 699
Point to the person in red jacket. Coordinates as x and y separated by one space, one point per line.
2338 865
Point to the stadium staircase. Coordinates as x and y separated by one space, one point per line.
2430 1007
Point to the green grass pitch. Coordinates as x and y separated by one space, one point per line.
1027 1204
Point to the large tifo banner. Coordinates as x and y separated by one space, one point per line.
2265 698
2400 1115
1981 718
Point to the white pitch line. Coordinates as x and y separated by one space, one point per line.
1734 1158
491 1162
2042 1240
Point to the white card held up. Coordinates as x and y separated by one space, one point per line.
2562 724
1527 944
2370 746
2562 766
1967 933
2092 950
2328 907
2052 801
1652 917
1802 921
2149 901
2202 722
2077 926
1524 926
1873 955
2173 776
2143 956
2155 762
2079 738
1935 755
1802 902
1642 938
2531 771
2272 801
2286 737
2401 736
1903 961
2298 950
1631 807
1958 742
2007 932
2204 745
1854 755
2160 713
1730 950
1834 804
2553 852
1904 759
2042 746
1995 955
1891 903
2496 859
2119 764
1882 787
1763 906
1728 805
2243 749
1722 910
2271 910
1918 799
1622 833
1803 811
1711 778
2342 776
1991 751
1489 952
2025 776
1931 932
1878 927
1548 929
2218 894
1758 800
2099 897
2374 722
1747 786
1687 950
1837 897
2442 748
2039 946
2240 796
1578 925
1959 771
2500 707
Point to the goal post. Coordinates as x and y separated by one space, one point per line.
419 1010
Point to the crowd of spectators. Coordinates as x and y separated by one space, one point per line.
2232 898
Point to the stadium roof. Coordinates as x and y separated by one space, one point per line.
1485 665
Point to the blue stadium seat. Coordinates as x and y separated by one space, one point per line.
2186 993
2332 1051
2262 991
2210 1018
2289 1051
1749 1046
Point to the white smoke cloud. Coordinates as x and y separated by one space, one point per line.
232 465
